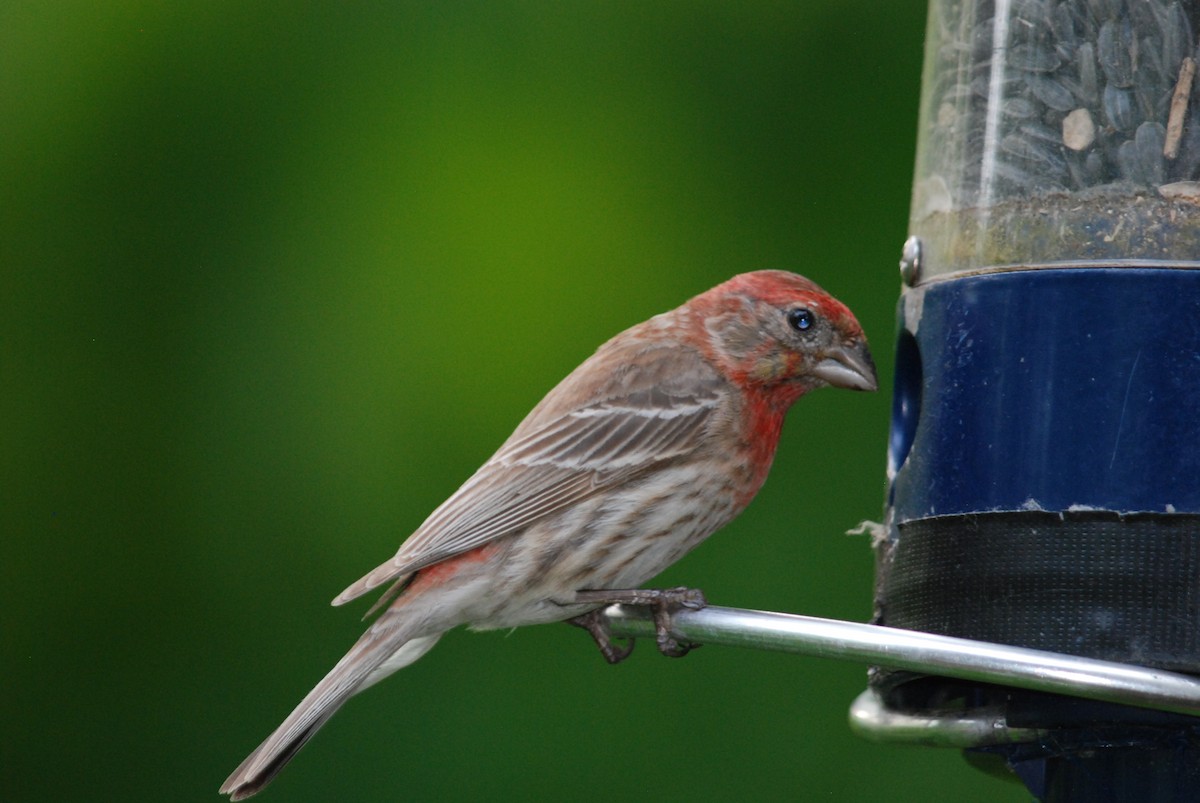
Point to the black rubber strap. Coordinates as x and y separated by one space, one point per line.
1095 584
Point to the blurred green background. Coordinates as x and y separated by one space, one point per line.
276 278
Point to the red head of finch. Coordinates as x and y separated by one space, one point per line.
656 441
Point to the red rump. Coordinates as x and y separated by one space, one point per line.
442 571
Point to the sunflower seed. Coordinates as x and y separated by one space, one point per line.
1078 130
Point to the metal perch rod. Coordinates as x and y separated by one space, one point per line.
922 652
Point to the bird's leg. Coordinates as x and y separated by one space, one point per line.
595 623
664 601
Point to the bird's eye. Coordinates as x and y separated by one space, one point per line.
800 319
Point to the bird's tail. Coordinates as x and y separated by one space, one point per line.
383 649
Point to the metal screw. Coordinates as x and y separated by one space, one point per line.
910 261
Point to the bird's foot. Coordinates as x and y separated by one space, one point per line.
595 623
665 602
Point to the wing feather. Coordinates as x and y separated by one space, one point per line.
648 411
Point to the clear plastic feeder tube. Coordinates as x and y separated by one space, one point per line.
1054 133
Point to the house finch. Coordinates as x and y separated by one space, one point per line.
657 440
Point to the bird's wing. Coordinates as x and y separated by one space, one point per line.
644 412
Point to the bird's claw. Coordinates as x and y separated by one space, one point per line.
664 601
595 623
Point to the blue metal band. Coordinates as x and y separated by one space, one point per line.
1051 389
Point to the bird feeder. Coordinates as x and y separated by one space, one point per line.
1044 463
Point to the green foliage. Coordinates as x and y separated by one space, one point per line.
275 278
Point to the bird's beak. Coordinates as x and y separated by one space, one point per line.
849 367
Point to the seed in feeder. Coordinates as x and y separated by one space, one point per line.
1186 190
1176 36
1105 9
1078 130
1051 92
1062 25
1089 83
1118 108
1017 108
1033 58
1149 143
1115 46
1179 103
